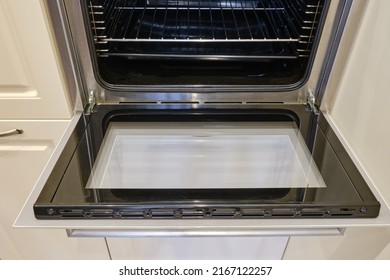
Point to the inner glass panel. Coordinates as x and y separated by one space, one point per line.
204 156
205 42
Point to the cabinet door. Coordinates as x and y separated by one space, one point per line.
31 84
22 159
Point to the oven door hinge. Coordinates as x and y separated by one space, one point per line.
311 103
89 109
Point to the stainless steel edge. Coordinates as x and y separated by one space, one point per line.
196 232
73 13
349 34
65 50
333 47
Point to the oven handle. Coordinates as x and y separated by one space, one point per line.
123 233
11 132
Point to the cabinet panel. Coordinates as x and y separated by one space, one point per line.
191 248
22 159
31 84
385 253
356 244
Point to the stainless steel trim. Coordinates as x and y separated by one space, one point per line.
328 92
56 10
11 132
73 14
199 232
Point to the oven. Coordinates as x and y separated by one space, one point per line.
204 111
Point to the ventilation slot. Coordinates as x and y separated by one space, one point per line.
163 213
343 212
131 214
223 212
193 213
252 212
137 102
102 213
72 213
263 102
283 213
179 102
313 212
222 102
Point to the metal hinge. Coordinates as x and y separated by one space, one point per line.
91 103
311 103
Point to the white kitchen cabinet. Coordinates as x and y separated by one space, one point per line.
190 248
356 244
31 84
22 159
34 98
360 111
385 253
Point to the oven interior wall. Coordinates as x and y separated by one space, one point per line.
204 42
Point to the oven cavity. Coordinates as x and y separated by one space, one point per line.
203 42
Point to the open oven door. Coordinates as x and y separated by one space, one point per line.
207 174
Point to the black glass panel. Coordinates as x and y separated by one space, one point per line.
343 195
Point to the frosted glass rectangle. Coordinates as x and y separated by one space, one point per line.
203 155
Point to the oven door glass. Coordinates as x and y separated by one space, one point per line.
210 170
203 156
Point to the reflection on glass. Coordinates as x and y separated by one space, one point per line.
203 155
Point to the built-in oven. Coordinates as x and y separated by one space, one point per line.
202 110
